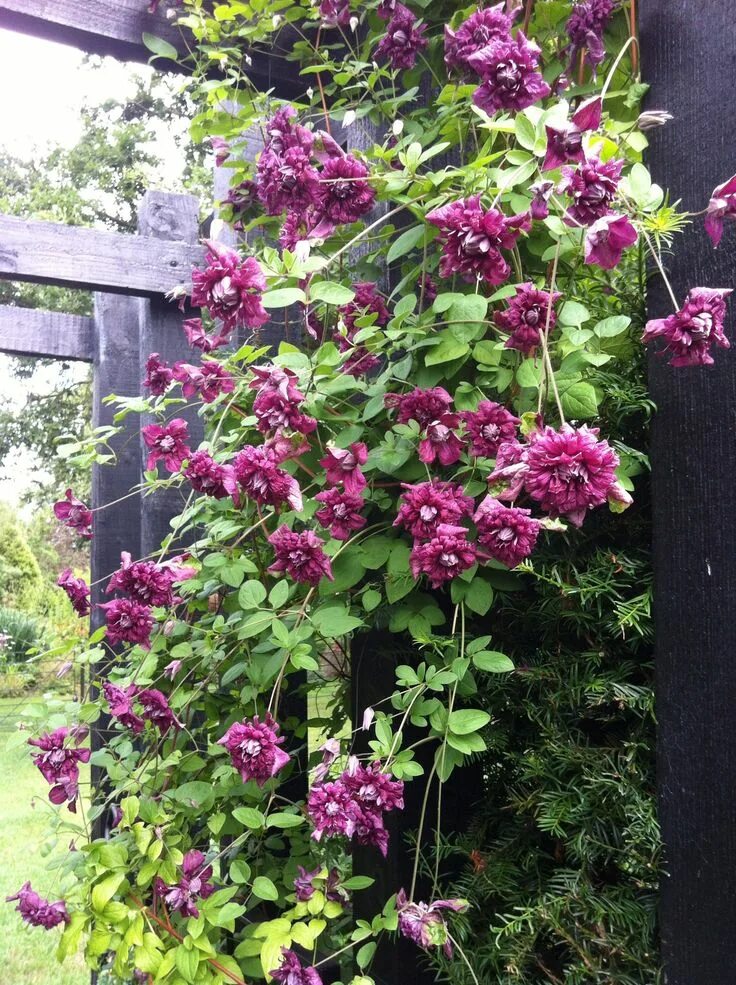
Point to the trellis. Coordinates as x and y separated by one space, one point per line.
687 61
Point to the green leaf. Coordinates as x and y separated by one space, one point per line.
573 313
529 373
358 882
579 401
466 315
525 131
195 794
104 891
279 593
492 662
263 888
467 720
335 620
609 327
250 817
365 955
283 297
405 243
479 596
187 962
284 820
239 871
449 348
331 293
160 47
371 600
251 594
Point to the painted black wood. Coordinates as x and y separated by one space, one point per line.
688 59
47 334
163 217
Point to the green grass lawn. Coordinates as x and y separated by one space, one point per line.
26 954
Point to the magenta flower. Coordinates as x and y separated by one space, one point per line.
472 239
423 406
488 427
606 240
292 972
38 912
585 28
221 150
332 809
565 140
507 479
526 317
77 590
198 338
73 513
508 534
128 622
156 710
508 68
429 287
592 186
367 301
300 556
288 181
444 557
334 13
254 748
373 788
230 288
692 331
346 193
58 762
261 479
168 444
722 205
144 581
172 669
424 923
210 477
328 882
479 30
539 209
343 465
208 380
158 375
340 512
192 886
422 508
403 40
273 413
569 471
120 705
441 442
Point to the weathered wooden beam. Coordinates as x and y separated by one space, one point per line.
116 28
687 57
50 334
93 259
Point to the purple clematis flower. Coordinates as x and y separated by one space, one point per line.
254 748
192 886
508 68
73 513
403 40
58 761
424 923
482 27
77 590
692 331
300 556
722 206
36 911
167 444
292 972
606 240
565 140
444 557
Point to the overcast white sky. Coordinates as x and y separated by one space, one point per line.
43 85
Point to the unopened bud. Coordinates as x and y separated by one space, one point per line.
397 127
349 118
652 118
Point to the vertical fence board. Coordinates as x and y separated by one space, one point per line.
687 57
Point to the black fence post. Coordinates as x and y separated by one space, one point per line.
687 57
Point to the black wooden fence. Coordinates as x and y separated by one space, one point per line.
687 58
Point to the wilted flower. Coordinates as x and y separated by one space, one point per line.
565 140
230 288
425 924
592 186
210 477
344 465
422 508
128 622
73 513
346 194
527 317
300 556
292 972
192 886
340 512
77 590
58 760
36 911
473 238
444 557
158 375
508 534
263 481
254 748
172 669
167 444
403 40
488 426
606 240
690 333
304 885
508 68
198 338
722 206
482 27
221 150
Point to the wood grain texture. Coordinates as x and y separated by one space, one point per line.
163 216
688 59
29 332
93 259
116 28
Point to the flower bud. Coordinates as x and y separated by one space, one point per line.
652 118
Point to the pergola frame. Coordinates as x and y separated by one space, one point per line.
686 55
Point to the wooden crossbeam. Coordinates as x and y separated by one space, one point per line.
93 259
50 334
116 28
